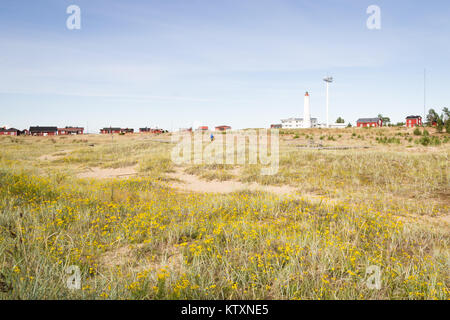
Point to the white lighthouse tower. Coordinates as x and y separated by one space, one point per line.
306 112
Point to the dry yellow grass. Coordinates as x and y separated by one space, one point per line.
150 236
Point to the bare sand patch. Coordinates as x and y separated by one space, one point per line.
445 219
54 156
107 173
116 257
136 257
235 171
441 220
190 182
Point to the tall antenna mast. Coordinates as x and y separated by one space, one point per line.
328 80
424 93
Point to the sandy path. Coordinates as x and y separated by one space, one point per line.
54 156
445 219
193 183
100 173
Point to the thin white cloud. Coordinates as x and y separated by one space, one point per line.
141 98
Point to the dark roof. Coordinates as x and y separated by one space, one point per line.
43 129
11 130
366 120
150 129
111 128
71 128
413 117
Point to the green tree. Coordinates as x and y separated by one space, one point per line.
447 126
446 112
340 120
386 120
432 116
442 121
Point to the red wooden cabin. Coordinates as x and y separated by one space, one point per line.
70 130
43 131
413 121
223 128
369 122
9 132
110 130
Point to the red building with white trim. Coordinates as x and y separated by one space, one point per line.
9 132
369 122
112 130
413 121
223 128
150 130
70 130
43 131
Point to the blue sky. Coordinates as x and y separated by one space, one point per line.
244 63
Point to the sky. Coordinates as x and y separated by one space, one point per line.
243 63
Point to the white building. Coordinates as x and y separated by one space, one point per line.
305 122
296 123
338 125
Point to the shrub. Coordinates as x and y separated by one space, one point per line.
427 140
386 140
447 126
435 141
417 132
